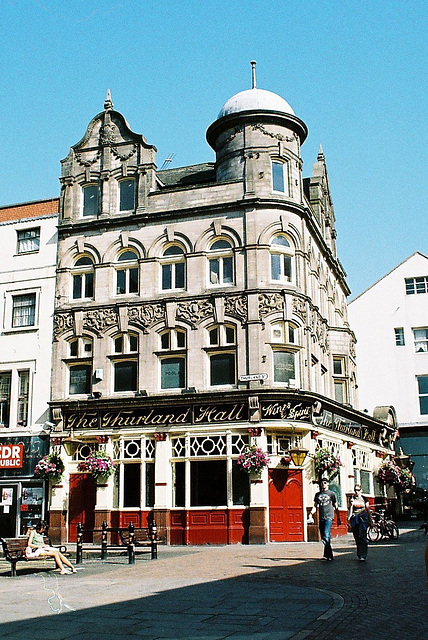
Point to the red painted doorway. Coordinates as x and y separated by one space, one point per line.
83 496
285 505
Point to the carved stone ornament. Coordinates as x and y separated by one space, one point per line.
145 316
109 133
270 303
233 135
124 152
62 322
194 312
318 328
237 307
99 320
299 307
86 160
275 136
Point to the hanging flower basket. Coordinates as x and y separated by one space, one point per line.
389 473
50 467
326 464
407 479
99 465
253 460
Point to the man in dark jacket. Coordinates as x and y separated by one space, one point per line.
326 503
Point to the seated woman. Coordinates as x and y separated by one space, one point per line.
37 548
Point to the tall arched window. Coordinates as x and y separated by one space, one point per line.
281 259
127 273
173 268
221 263
127 191
83 278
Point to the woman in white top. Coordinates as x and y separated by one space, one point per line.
359 518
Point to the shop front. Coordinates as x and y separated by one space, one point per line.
179 464
22 494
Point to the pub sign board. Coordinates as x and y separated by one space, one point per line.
11 456
20 454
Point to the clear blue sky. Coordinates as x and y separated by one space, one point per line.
355 72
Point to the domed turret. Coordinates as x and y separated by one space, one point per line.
255 132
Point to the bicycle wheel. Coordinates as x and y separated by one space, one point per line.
391 530
373 533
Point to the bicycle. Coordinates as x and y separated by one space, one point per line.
382 527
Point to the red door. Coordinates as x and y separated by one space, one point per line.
285 505
83 494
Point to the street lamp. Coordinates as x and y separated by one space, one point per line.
71 444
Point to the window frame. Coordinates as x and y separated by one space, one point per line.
399 337
276 162
420 343
170 266
131 274
422 394
222 347
222 257
121 182
416 285
73 366
84 274
19 240
284 256
173 346
32 314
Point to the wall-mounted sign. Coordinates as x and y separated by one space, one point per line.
11 456
290 410
253 376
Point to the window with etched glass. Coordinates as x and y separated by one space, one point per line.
28 240
421 340
83 278
91 197
222 355
24 310
127 273
281 259
127 191
172 359
136 476
173 268
212 470
279 176
220 263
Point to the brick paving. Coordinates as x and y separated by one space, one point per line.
275 592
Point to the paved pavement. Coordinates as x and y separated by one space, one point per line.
275 592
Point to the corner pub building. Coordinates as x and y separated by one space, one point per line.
200 309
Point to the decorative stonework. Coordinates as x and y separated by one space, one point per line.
299 308
100 320
233 135
87 160
318 329
194 312
144 316
62 322
124 152
270 303
236 307
109 133
275 136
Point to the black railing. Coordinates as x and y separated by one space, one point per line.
132 540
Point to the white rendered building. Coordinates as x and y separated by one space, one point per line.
390 321
27 289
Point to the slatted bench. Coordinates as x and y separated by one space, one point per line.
14 551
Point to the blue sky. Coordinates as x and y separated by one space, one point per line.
355 72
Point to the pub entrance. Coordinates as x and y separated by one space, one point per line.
285 505
83 497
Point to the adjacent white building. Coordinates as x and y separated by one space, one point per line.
27 289
390 321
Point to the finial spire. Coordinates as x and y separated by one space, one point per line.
253 73
108 104
320 153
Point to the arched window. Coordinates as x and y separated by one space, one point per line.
221 263
127 191
90 198
222 355
127 273
172 358
83 278
281 259
279 176
173 268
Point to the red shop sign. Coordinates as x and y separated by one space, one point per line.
11 456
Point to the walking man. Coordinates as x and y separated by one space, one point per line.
326 502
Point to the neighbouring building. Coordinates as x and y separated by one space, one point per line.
200 309
28 235
390 320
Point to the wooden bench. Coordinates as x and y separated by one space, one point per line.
14 551
141 538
